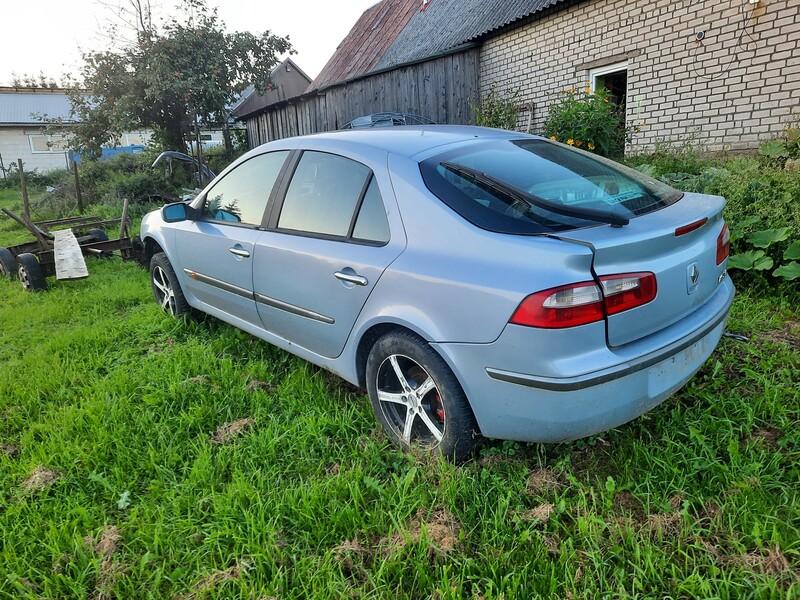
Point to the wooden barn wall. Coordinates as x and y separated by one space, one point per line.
440 89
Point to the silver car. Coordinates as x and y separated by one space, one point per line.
476 282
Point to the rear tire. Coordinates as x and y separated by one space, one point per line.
30 273
166 289
418 400
8 264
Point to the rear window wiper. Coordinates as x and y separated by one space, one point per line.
530 200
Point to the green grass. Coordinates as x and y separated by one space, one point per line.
696 499
115 479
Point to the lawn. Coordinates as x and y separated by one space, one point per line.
144 457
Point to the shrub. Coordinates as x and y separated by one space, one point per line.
588 120
496 110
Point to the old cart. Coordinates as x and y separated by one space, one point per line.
60 245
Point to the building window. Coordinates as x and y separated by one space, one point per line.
613 79
47 144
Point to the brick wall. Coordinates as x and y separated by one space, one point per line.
736 88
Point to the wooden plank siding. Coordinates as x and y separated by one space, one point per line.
440 89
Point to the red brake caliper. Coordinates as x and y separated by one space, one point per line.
439 407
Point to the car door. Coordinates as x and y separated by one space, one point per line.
328 243
215 252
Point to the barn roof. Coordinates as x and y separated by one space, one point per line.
373 33
442 25
25 106
288 81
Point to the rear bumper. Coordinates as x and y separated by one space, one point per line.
604 389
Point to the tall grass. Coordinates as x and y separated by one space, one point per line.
144 457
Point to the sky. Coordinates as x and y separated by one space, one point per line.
49 36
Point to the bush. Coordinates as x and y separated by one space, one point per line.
588 120
33 179
761 211
497 111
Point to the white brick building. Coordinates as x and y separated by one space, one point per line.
725 74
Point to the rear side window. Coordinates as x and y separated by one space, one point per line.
531 186
334 196
241 196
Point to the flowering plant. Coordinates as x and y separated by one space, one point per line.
587 119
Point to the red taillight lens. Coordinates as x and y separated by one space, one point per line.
723 244
585 302
623 292
565 306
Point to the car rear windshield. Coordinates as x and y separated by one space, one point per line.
534 186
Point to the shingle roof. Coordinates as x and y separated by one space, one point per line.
447 24
23 107
367 41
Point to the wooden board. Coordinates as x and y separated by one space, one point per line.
68 256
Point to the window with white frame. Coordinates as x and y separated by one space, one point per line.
47 144
612 78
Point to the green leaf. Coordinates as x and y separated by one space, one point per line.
752 260
124 500
793 251
774 149
767 237
789 271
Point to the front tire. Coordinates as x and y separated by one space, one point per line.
166 289
30 273
417 399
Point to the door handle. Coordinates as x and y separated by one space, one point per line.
351 278
238 252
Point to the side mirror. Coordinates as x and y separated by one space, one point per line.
174 213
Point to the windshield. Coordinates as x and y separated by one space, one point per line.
534 186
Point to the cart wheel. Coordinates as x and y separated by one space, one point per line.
30 273
99 235
8 264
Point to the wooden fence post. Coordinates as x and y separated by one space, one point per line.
24 189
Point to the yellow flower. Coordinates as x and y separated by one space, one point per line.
571 142
590 145
552 137
605 100
578 143
588 90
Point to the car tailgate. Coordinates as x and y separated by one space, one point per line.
684 263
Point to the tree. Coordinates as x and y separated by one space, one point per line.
165 78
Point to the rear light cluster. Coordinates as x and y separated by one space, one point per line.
723 244
585 302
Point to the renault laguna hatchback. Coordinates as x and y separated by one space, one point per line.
476 282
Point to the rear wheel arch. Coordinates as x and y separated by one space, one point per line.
368 340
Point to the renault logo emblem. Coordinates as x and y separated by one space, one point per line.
692 277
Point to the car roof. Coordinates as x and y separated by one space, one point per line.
408 141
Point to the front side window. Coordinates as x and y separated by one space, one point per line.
531 186
334 196
242 195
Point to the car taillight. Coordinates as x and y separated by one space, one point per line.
585 302
723 244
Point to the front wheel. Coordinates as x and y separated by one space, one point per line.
166 289
417 399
